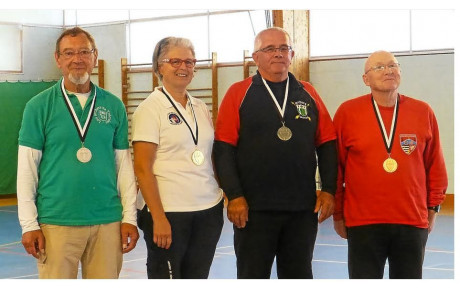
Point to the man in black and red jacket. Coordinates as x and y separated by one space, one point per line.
271 133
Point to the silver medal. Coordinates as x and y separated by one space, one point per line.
84 155
197 157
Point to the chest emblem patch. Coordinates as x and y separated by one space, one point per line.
174 119
302 110
408 142
102 114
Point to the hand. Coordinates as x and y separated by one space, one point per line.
34 242
237 211
340 228
326 203
162 234
129 237
431 220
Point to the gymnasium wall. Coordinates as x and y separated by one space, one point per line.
426 77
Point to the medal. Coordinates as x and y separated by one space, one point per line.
284 133
197 157
84 155
390 165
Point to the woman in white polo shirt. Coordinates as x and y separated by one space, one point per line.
172 136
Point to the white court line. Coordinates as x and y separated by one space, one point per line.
325 261
331 245
438 269
225 247
21 277
10 244
439 251
135 260
10 211
426 250
386 265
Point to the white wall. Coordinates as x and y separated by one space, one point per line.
111 44
38 55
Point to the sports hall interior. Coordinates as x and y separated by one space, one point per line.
29 38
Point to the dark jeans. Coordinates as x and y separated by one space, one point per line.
288 236
369 247
194 239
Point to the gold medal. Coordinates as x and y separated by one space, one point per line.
197 157
84 155
390 165
284 133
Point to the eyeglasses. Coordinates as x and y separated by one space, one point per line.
176 62
381 68
271 49
84 54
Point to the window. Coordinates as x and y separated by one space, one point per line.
228 33
86 16
342 32
231 34
145 35
432 29
11 44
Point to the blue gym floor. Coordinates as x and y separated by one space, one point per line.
329 260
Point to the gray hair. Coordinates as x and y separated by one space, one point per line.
74 32
163 47
257 40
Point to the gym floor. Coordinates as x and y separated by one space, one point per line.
329 262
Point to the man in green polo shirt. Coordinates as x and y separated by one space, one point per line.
76 187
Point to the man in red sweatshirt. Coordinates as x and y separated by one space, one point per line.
391 177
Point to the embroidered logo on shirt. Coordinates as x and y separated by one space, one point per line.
174 118
408 142
102 114
302 109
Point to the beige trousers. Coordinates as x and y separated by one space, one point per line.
97 247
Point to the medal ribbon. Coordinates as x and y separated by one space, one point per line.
280 110
81 131
387 139
195 137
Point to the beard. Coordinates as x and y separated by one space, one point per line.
79 80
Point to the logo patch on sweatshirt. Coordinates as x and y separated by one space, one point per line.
302 109
408 142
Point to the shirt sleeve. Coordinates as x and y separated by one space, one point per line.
435 168
126 184
226 139
32 132
145 125
342 153
120 141
228 119
27 183
325 131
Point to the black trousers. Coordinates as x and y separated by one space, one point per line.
194 240
288 236
369 247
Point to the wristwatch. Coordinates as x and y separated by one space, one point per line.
435 208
